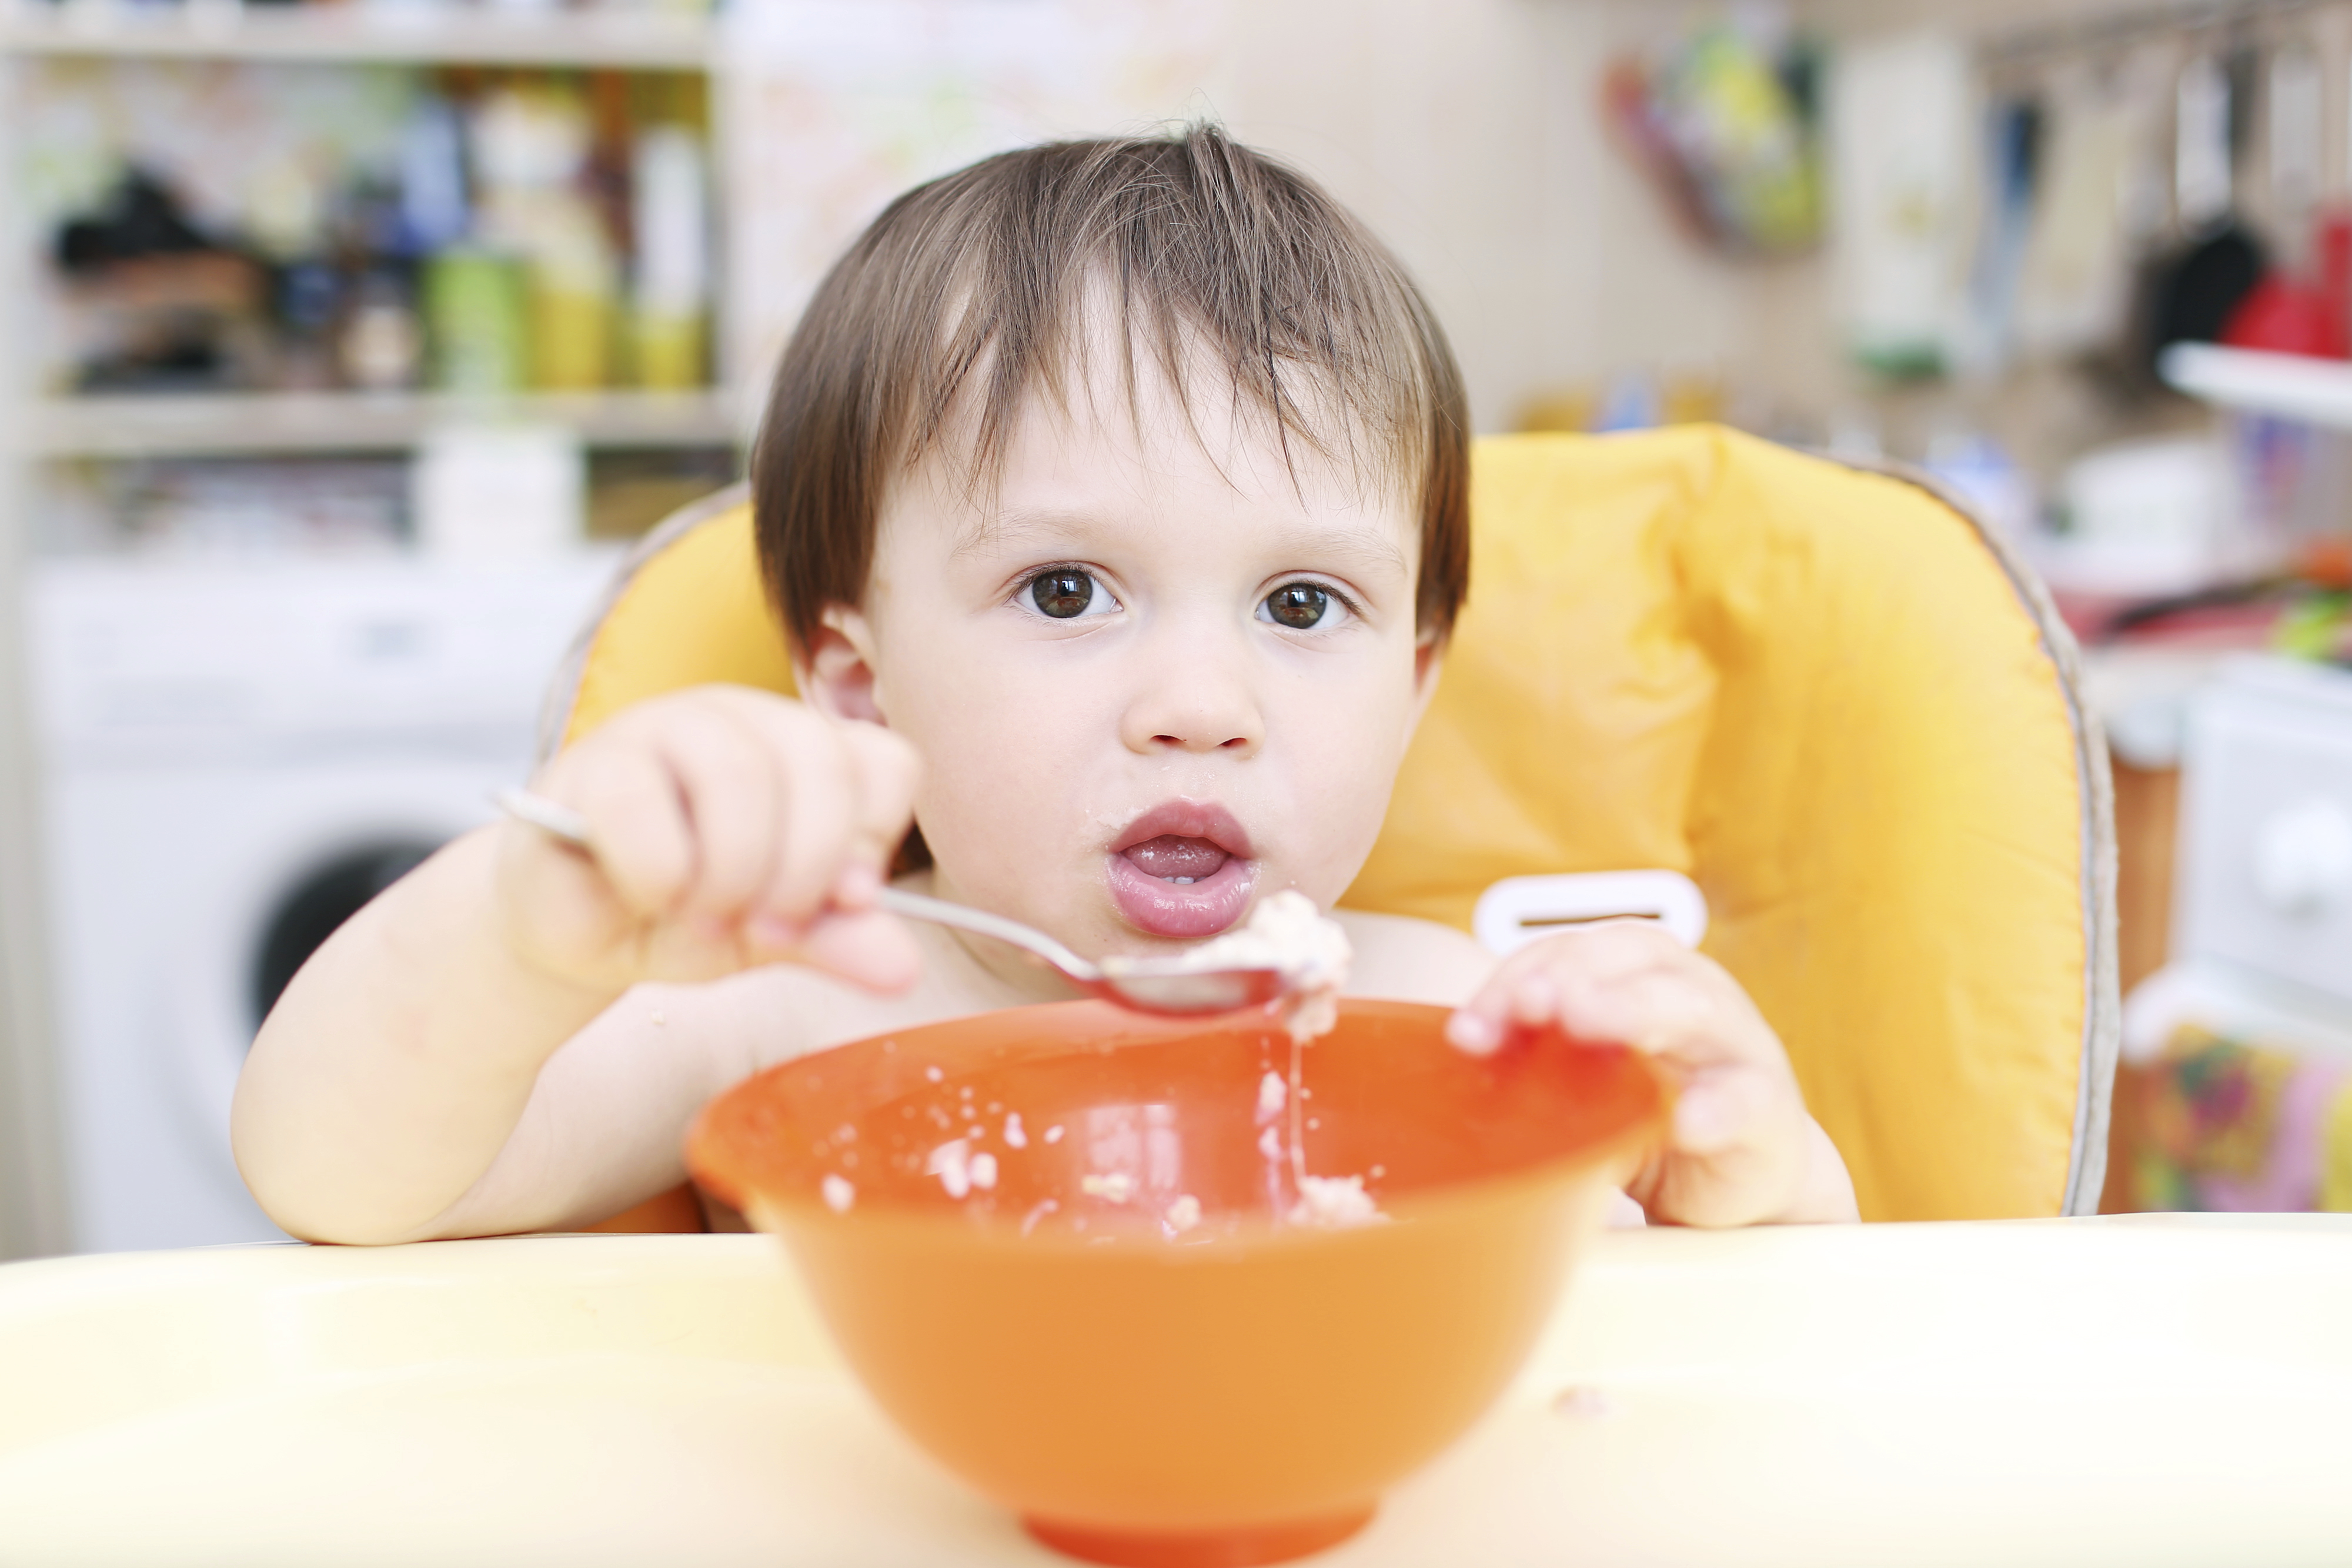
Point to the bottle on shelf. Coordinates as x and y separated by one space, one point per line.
476 322
532 142
382 347
670 303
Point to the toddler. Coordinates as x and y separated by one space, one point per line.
1114 497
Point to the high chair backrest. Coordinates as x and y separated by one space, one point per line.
1823 692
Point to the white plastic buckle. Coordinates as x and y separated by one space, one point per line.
1518 910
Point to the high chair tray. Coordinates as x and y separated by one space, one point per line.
2151 1392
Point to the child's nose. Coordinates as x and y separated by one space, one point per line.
1193 701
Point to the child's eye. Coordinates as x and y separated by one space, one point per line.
1301 606
1065 593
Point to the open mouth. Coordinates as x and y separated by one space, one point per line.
1182 870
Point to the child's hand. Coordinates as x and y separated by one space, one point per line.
1742 1150
730 828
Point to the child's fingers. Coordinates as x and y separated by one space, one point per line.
1735 1151
887 772
1526 987
1733 1155
867 948
1469 1029
725 778
1535 999
1606 948
1667 1010
638 822
1716 1112
735 829
812 803
687 951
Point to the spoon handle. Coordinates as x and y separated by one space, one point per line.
553 817
563 823
939 912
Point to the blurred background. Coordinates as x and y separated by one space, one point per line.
344 343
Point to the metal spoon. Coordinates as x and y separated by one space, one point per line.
1145 985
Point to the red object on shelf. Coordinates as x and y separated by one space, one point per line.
2334 245
2286 315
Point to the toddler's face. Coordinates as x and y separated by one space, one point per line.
1157 679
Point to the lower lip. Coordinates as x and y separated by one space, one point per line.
1182 911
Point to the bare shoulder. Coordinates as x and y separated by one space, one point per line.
1405 959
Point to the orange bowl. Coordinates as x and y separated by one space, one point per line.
1065 1248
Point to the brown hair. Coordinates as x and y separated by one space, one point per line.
976 285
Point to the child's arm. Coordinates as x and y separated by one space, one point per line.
1742 1149
384 1098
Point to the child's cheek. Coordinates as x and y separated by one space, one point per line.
1339 749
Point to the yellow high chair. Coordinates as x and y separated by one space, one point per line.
1825 694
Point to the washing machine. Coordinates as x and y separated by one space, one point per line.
2262 939
235 759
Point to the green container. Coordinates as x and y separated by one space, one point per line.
477 323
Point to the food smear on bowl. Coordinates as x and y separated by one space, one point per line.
951 1163
1286 933
1335 1203
1112 1187
1273 1094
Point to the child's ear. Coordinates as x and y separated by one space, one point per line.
1428 660
836 677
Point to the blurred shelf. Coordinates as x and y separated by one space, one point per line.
2292 386
414 32
229 423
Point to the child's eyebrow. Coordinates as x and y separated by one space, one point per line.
1004 531
1365 545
